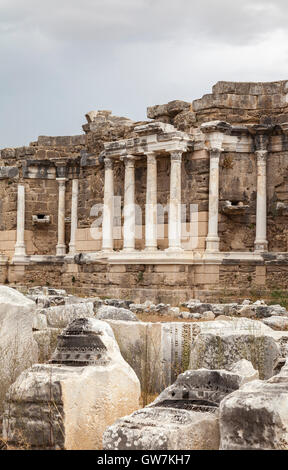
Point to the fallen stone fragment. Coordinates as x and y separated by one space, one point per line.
184 416
276 323
59 317
247 311
18 349
118 303
208 315
115 313
68 403
220 344
39 322
255 417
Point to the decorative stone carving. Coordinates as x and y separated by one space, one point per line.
184 416
68 403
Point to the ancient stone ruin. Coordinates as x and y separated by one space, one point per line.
68 403
149 258
184 416
100 212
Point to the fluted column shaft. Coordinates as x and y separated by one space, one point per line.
151 204
61 246
129 204
20 249
261 243
174 227
212 240
108 208
74 217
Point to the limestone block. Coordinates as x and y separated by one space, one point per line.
206 388
8 172
278 310
208 315
247 311
183 416
220 349
164 429
115 313
276 323
68 404
18 349
39 322
256 416
157 352
59 317
46 341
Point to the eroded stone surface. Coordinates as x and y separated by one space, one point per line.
18 349
65 404
219 346
60 316
184 416
115 313
256 417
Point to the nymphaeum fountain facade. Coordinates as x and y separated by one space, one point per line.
185 203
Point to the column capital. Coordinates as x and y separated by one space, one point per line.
61 181
61 169
176 155
151 157
215 153
261 156
109 163
129 160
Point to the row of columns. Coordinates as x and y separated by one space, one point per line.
174 227
174 230
20 247
212 240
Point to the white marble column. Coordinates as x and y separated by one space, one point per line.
20 249
261 243
212 240
151 204
61 246
74 217
174 221
108 207
129 204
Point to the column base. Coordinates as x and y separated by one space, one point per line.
20 256
72 250
260 246
60 250
212 244
150 248
20 259
174 249
107 251
128 250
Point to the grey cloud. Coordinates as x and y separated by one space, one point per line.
149 20
60 59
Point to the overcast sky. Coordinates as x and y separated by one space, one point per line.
62 58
